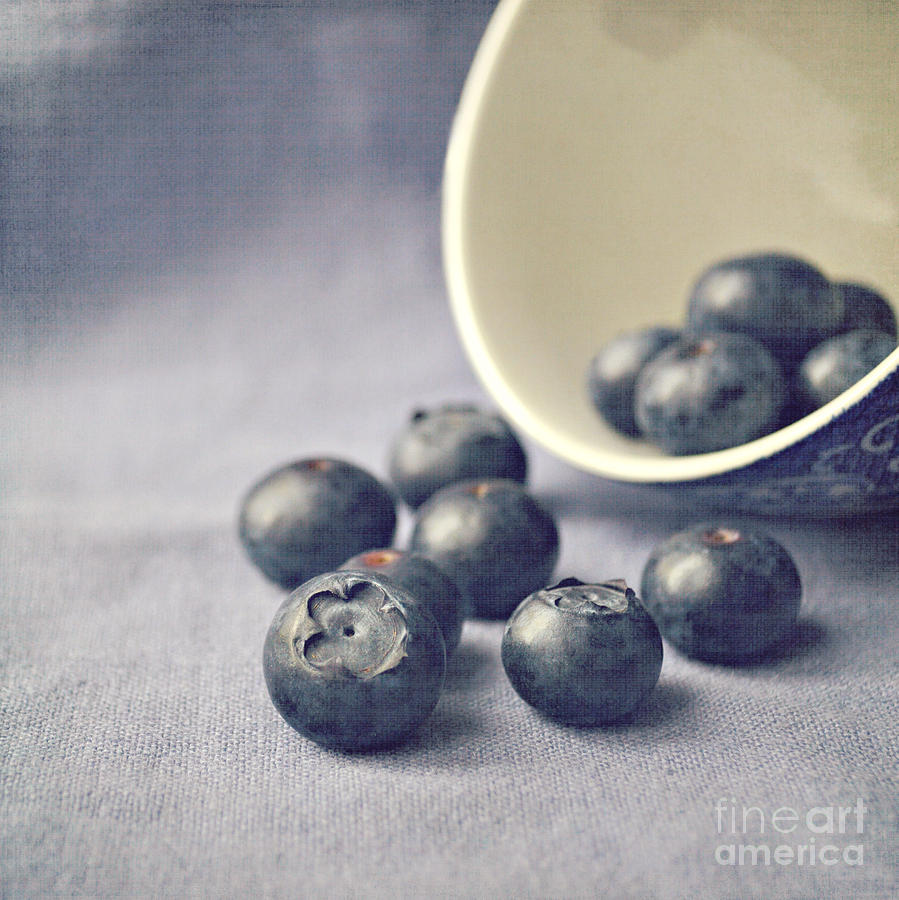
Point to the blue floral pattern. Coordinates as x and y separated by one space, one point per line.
849 466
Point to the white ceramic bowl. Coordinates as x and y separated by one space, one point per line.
604 153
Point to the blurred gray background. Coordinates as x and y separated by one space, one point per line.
220 251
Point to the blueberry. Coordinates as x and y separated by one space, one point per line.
838 363
431 587
306 517
705 394
492 538
614 369
352 662
784 302
865 308
792 410
453 443
721 592
584 654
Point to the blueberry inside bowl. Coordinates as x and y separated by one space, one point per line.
604 153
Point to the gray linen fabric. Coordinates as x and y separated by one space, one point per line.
220 252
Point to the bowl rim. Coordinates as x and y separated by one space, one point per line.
617 466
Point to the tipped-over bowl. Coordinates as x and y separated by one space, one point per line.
604 153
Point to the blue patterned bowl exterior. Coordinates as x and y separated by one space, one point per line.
847 467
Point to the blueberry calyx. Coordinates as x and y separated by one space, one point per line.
379 558
351 630
316 465
446 409
699 347
575 595
721 535
479 489
565 582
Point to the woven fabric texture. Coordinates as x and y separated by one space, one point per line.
220 253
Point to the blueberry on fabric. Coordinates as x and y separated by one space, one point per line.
613 372
308 516
782 301
453 443
492 538
431 588
722 592
584 654
838 363
352 662
863 307
704 394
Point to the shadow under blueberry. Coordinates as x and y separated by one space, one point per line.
466 666
854 547
807 637
670 701
450 725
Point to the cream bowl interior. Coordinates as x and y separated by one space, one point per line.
603 153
